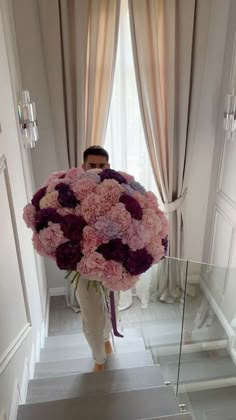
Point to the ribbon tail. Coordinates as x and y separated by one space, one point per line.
113 315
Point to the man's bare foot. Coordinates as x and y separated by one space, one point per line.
99 368
108 348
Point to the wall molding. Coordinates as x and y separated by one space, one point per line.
15 401
10 352
57 291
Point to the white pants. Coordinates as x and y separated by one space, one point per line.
96 322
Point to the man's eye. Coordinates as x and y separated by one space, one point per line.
102 165
92 165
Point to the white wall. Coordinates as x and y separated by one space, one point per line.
207 117
22 310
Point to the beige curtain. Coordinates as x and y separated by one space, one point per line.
168 38
80 40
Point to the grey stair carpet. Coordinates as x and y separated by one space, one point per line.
198 367
82 349
82 365
72 386
129 405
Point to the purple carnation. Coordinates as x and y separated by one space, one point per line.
44 216
165 243
114 250
37 197
68 255
132 206
138 262
111 174
66 196
137 187
72 227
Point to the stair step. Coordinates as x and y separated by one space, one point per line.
82 365
182 416
72 386
129 405
77 339
198 367
82 349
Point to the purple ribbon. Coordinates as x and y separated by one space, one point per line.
113 315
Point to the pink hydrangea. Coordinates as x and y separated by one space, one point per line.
125 282
83 188
129 178
140 199
51 237
135 236
55 182
64 211
110 190
91 240
151 201
156 249
40 247
94 206
73 173
50 200
29 213
91 266
120 215
112 273
53 177
151 223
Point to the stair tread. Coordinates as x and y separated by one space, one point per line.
129 405
72 386
82 349
82 365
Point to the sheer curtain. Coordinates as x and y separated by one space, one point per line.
125 139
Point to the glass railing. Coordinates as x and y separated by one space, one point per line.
189 328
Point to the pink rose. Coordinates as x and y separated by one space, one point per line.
91 240
29 213
51 237
110 190
83 188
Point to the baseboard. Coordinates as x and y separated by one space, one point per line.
57 291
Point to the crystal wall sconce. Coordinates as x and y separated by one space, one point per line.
28 120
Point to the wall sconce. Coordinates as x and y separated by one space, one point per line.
28 121
230 117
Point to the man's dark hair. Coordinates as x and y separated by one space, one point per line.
95 151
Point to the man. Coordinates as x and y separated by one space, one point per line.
96 323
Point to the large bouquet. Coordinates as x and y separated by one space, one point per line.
102 224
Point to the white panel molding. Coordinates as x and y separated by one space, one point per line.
10 352
15 401
4 171
57 291
219 211
24 382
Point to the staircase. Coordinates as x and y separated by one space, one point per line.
131 388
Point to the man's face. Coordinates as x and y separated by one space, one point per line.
95 162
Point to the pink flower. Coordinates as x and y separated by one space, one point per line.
53 177
151 223
110 190
112 273
120 215
51 237
135 236
64 211
140 199
107 227
93 206
83 187
91 266
152 202
125 282
91 240
129 178
156 249
29 213
50 200
92 174
39 246
73 173
53 184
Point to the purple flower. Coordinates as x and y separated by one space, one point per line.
138 262
137 187
165 242
114 250
68 255
44 216
111 174
66 196
132 206
72 227
37 197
